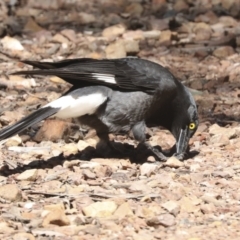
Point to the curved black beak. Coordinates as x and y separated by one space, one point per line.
182 142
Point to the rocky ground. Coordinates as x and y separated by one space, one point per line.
54 184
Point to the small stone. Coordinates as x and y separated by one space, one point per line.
203 31
173 162
223 174
32 26
227 4
89 174
51 130
28 175
147 169
151 159
90 165
59 38
165 38
70 148
159 24
69 34
13 141
159 5
172 207
131 46
114 31
211 199
163 180
208 208
31 100
219 140
229 132
123 210
56 80
23 236
11 44
81 145
70 164
135 9
116 165
135 35
139 186
228 21
5 228
166 220
92 142
116 50
86 18
224 51
155 34
3 179
180 5
55 215
29 205
100 209
187 205
10 192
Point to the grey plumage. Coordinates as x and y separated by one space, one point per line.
122 95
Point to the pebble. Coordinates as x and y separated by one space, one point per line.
100 209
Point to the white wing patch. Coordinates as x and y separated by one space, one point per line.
109 78
76 107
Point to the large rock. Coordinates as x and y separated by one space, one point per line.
52 130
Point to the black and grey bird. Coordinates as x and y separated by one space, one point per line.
118 96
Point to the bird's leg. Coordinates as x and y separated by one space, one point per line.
114 147
138 131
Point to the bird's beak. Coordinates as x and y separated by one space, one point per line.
182 142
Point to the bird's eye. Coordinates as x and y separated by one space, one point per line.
192 126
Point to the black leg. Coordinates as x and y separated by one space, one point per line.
111 148
156 153
138 131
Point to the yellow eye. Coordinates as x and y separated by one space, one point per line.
192 126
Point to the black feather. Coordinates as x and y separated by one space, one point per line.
27 121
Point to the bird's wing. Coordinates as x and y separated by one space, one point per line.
130 74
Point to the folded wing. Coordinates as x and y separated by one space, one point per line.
126 74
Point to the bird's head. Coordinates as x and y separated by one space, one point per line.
185 122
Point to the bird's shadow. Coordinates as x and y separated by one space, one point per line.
138 155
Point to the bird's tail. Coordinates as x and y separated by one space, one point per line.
28 121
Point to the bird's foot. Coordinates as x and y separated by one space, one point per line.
160 156
179 156
156 153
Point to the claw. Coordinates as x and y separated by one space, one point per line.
179 156
159 155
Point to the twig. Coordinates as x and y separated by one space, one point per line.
98 195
